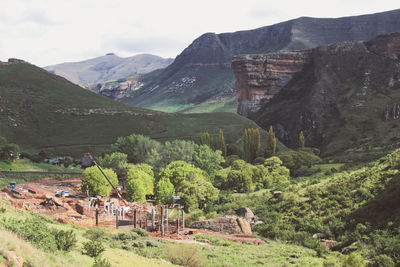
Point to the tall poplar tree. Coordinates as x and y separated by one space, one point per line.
271 143
205 139
252 144
221 145
302 141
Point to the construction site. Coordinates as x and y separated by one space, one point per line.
64 201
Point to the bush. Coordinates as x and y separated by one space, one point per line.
185 256
65 240
101 262
95 234
126 236
93 248
383 261
140 232
32 230
354 259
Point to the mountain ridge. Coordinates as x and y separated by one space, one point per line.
206 61
107 67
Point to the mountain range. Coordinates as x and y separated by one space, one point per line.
108 67
201 79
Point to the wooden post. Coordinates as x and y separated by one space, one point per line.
177 221
153 219
145 223
162 221
134 218
166 221
116 218
97 216
183 219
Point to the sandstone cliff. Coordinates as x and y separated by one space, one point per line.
344 95
259 77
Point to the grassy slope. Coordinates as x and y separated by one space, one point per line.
44 111
117 257
222 253
331 204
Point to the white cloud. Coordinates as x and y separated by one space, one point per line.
52 31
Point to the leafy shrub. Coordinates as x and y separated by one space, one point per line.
93 248
33 230
354 259
140 232
101 262
185 256
65 240
3 209
383 261
126 236
95 234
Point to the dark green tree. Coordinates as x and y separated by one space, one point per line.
271 143
252 144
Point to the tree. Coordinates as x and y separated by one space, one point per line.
116 161
136 172
136 146
94 181
205 139
136 190
271 143
164 189
178 150
191 184
9 151
252 144
239 177
276 172
301 140
221 143
207 159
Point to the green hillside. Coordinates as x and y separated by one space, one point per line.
42 111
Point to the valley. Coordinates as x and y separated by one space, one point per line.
276 146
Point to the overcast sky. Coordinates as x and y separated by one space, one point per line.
46 32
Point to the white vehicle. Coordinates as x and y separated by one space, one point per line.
62 193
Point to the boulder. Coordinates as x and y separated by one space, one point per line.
245 213
249 216
232 224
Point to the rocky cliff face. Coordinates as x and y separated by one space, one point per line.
259 77
344 95
207 61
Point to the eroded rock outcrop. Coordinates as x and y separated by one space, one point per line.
259 77
338 95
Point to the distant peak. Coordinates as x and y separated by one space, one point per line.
110 54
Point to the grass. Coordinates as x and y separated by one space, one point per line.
25 165
11 242
42 113
221 253
20 165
